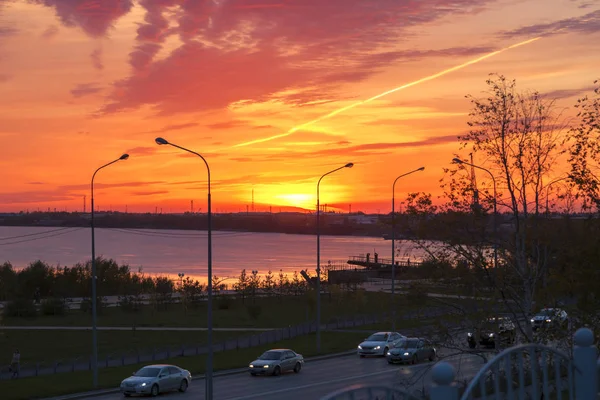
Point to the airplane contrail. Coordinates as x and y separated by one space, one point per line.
405 86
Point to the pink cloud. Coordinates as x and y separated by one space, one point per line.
96 58
50 32
337 41
95 17
85 89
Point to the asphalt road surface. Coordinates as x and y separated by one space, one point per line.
320 378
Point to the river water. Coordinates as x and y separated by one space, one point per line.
169 252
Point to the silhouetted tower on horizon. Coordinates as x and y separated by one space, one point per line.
252 199
84 200
350 209
192 206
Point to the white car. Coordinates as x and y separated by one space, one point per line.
379 343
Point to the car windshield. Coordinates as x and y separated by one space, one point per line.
378 337
407 344
270 355
148 372
546 312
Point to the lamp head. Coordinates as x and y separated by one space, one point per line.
124 157
421 169
457 161
160 140
349 165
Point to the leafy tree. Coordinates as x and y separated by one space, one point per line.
268 284
584 147
242 285
282 284
191 292
254 284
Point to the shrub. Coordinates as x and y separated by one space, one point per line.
86 305
129 304
254 310
54 306
224 302
20 308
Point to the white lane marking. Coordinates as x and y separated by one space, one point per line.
349 378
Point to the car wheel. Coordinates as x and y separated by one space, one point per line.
277 371
414 359
385 350
154 390
362 355
432 356
297 367
390 362
471 345
252 373
183 385
126 395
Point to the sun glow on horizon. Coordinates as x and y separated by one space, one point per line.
300 200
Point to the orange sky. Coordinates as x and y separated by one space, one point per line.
83 83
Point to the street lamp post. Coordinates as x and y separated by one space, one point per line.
209 361
393 247
459 161
548 193
349 165
94 277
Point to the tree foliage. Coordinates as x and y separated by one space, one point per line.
584 148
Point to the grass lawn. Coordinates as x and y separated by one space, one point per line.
60 384
274 312
53 345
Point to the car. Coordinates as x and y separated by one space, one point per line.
489 330
411 350
549 318
154 379
276 361
378 344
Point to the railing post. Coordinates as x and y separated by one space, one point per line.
584 358
443 387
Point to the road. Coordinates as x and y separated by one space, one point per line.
320 378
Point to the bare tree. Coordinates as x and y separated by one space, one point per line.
514 142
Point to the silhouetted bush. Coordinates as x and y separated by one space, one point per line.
129 303
86 305
20 308
254 310
54 306
224 302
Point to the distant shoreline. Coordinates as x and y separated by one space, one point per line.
356 225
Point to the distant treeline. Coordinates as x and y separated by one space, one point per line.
40 280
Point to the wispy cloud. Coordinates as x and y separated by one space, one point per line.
250 46
175 127
93 16
85 89
50 32
587 24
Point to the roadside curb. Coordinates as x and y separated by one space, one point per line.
97 393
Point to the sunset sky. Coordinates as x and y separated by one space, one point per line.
83 81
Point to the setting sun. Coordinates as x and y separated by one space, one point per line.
304 201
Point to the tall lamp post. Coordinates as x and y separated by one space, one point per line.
459 161
94 277
209 361
548 193
349 165
393 247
